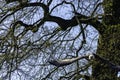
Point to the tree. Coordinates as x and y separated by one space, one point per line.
109 43
34 32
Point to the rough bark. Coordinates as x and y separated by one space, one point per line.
109 43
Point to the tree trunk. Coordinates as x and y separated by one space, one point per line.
109 42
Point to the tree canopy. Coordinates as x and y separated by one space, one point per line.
35 32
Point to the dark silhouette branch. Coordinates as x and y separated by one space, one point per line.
32 27
9 1
63 23
24 5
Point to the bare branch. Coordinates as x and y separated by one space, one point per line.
65 62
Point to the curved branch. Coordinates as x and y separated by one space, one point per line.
65 62
64 24
19 7
32 27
